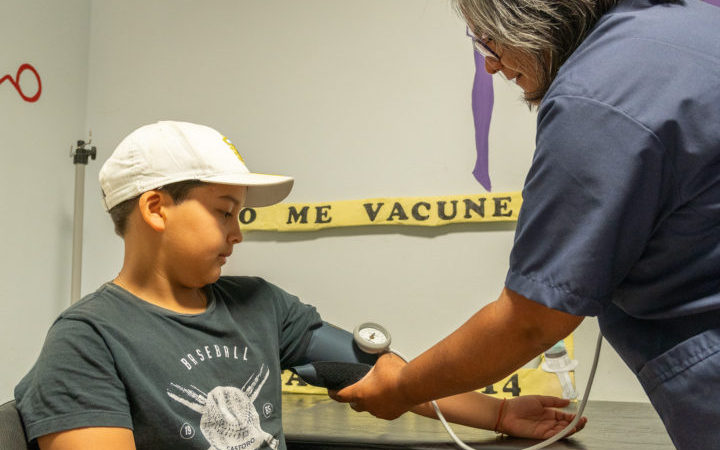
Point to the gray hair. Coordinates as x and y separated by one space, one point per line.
548 31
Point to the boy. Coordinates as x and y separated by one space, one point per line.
170 354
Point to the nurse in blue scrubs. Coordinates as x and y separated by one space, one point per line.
621 211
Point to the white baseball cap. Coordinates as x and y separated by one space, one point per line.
166 152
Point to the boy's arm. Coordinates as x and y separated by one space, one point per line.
107 438
531 416
471 409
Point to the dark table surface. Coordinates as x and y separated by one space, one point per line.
317 422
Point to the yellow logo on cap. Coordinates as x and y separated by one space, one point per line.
232 147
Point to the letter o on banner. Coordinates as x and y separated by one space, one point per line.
248 216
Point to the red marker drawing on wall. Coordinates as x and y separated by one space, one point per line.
16 82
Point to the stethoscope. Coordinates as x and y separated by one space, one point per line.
373 338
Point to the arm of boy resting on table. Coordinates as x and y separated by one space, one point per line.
106 438
531 416
493 343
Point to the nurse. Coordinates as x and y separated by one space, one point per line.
621 211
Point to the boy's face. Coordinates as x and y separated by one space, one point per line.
200 233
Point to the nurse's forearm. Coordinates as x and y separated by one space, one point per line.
492 344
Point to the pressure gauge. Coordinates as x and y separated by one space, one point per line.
372 338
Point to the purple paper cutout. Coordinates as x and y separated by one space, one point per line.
482 105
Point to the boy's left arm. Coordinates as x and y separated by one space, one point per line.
530 416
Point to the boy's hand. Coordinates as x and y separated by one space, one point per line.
535 416
377 392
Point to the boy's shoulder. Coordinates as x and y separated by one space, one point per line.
245 286
241 281
104 298
252 290
245 282
110 304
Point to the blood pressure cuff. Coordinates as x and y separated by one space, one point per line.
332 359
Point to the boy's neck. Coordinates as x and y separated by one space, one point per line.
161 292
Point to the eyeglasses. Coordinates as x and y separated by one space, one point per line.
481 46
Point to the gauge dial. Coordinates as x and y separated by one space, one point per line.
373 335
372 338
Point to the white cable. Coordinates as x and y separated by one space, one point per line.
452 434
581 408
565 431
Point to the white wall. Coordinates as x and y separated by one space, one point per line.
36 171
354 99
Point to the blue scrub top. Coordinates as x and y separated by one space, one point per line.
621 210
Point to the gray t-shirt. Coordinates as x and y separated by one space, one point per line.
192 381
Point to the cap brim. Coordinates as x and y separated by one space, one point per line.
263 190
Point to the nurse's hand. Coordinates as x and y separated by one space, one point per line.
378 392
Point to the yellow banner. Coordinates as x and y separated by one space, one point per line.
409 211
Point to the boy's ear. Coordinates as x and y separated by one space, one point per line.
152 208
